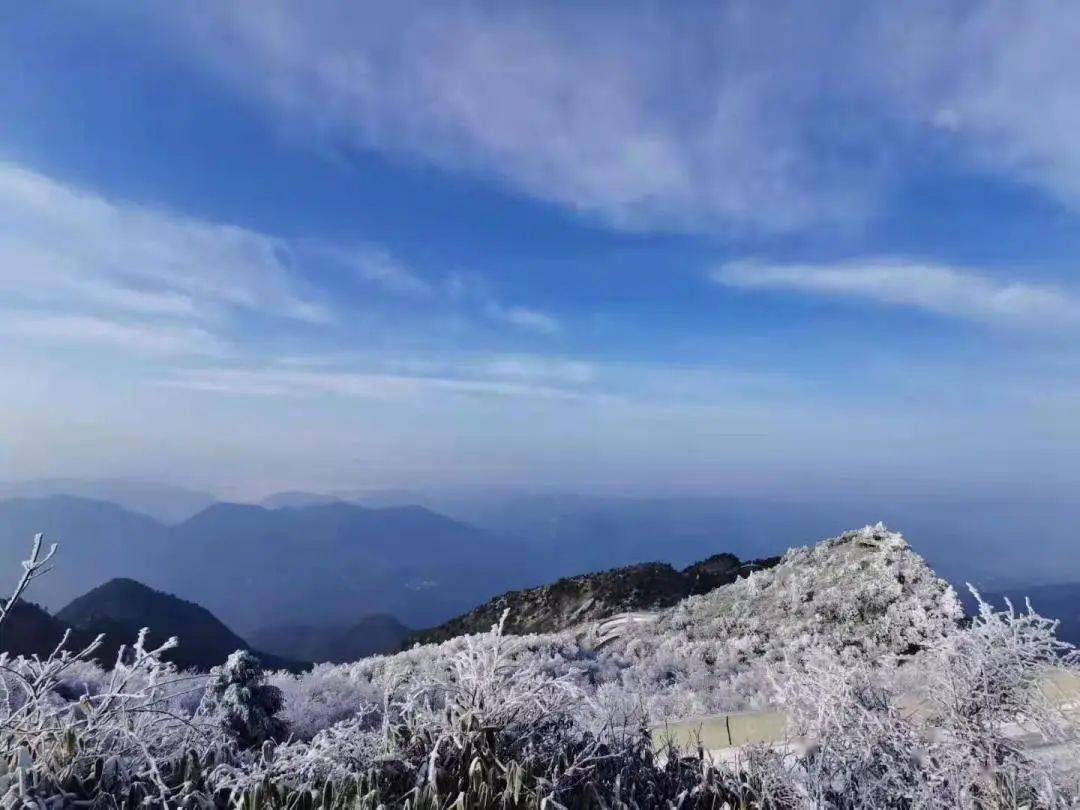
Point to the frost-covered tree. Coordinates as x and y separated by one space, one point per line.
244 703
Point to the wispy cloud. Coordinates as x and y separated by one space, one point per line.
995 79
470 290
941 289
706 116
524 367
91 331
276 382
530 320
378 266
640 119
78 267
57 241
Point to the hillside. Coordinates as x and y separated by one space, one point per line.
31 630
121 607
864 595
371 635
589 597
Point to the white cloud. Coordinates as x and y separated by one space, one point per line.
76 267
998 78
87 330
547 370
637 117
934 288
273 382
379 375
471 290
525 367
696 116
530 320
377 266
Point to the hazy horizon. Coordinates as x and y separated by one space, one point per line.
965 536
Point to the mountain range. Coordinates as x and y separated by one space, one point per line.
314 568
325 564
166 503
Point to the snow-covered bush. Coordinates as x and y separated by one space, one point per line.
839 635
986 690
322 697
128 739
954 742
238 696
861 748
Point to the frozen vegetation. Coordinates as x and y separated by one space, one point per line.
894 702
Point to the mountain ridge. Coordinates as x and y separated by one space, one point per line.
323 564
595 596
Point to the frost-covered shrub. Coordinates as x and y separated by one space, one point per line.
955 741
126 740
238 696
560 720
862 749
862 596
82 677
322 697
986 688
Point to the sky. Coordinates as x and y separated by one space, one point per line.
730 247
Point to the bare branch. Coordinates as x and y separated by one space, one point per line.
33 567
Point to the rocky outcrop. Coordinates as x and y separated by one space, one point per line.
591 597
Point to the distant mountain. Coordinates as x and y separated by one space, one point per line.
98 541
296 499
121 607
371 635
590 597
967 535
590 533
163 502
319 565
326 564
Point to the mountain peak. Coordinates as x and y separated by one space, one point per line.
121 607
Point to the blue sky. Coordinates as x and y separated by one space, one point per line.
622 247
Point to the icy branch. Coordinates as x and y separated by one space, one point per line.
33 567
